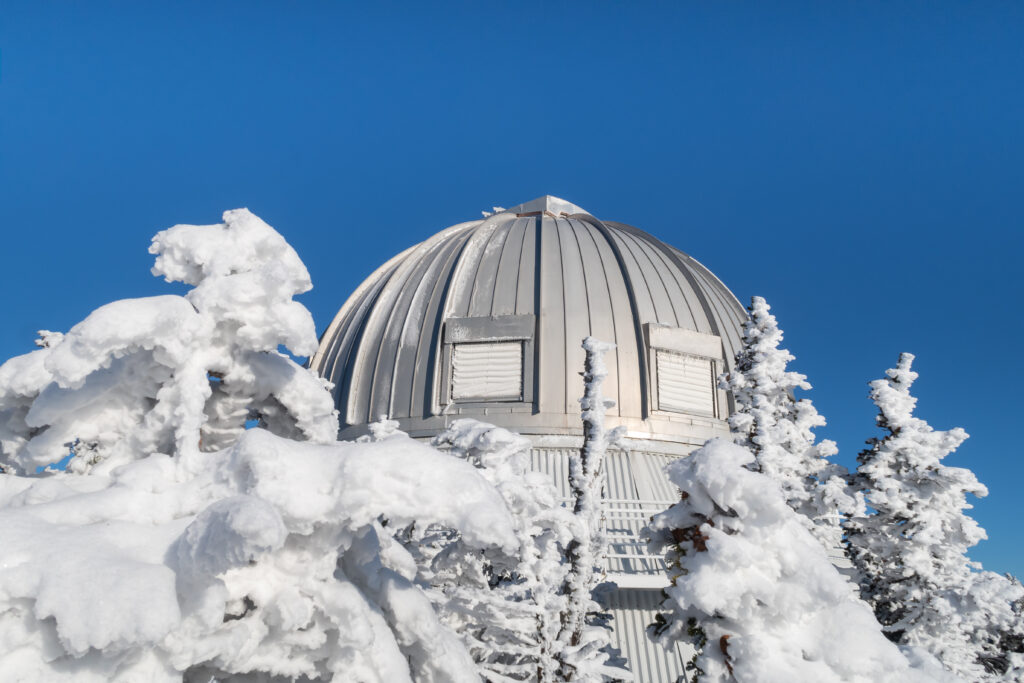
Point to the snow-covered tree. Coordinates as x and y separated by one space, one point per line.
754 591
777 428
995 611
170 373
505 606
176 559
911 551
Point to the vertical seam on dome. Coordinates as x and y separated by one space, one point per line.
492 226
357 342
624 248
673 269
430 386
637 327
437 252
375 383
519 269
418 275
565 323
611 316
640 248
583 268
537 328
497 265
705 304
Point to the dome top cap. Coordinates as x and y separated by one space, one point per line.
547 203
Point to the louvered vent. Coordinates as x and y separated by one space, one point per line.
685 383
487 371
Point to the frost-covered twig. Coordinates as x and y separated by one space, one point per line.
582 644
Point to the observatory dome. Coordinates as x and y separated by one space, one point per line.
485 319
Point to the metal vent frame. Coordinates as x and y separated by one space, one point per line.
683 342
489 329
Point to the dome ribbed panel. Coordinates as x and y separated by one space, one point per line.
422 397
609 313
344 336
660 283
481 300
577 275
726 308
551 342
507 272
651 303
420 307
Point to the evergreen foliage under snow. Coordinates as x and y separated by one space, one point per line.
911 551
507 606
776 428
755 592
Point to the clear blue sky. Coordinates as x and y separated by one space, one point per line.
860 165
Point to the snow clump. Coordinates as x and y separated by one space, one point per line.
754 590
178 545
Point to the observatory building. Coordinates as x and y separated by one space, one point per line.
485 320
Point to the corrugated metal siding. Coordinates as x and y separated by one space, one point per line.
685 383
636 487
487 371
632 611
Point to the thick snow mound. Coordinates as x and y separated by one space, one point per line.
268 557
754 578
173 374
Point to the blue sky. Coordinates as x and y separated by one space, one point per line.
860 165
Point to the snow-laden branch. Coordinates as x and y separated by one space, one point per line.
172 374
582 644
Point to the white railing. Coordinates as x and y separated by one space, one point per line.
624 521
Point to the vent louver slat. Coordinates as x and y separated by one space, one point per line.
685 383
487 371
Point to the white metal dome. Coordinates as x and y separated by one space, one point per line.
543 275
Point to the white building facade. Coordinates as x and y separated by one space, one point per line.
485 320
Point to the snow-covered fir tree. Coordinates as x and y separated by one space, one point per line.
911 551
754 591
777 428
185 547
996 601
